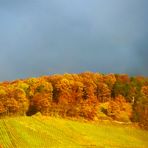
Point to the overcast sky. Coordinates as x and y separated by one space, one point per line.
40 37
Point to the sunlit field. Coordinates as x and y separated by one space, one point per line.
43 132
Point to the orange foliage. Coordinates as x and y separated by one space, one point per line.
77 95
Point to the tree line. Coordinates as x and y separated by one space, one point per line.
93 96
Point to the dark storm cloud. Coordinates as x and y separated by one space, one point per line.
141 53
41 37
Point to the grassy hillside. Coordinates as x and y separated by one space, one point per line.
43 132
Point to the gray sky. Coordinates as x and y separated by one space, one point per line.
39 37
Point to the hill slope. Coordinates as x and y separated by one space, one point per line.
50 132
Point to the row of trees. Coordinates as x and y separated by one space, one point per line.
87 95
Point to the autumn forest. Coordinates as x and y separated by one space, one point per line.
92 96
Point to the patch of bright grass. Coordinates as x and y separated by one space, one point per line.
43 132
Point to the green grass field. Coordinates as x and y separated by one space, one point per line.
43 132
